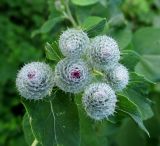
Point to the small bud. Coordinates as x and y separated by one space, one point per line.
118 77
104 52
59 6
72 75
99 101
73 42
35 80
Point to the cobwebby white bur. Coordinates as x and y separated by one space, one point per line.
72 75
118 77
104 52
35 80
99 101
73 42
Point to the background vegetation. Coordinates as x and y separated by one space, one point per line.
26 25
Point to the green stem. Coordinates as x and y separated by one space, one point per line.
68 14
97 72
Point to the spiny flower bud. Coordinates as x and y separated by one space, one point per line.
99 101
73 42
72 75
35 80
104 52
118 77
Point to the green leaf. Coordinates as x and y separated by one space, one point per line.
84 2
149 66
123 36
130 135
27 130
146 42
126 106
91 21
156 21
48 25
52 52
94 25
130 59
93 133
54 122
137 91
29 137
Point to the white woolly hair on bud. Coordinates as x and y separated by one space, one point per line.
73 42
35 80
118 78
72 75
104 52
99 101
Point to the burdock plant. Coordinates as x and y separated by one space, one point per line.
87 81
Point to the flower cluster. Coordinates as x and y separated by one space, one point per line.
77 72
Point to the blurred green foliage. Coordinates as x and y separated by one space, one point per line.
17 20
21 19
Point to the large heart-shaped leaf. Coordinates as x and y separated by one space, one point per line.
54 121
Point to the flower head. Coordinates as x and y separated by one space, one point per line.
73 42
35 80
104 52
72 75
99 101
118 77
